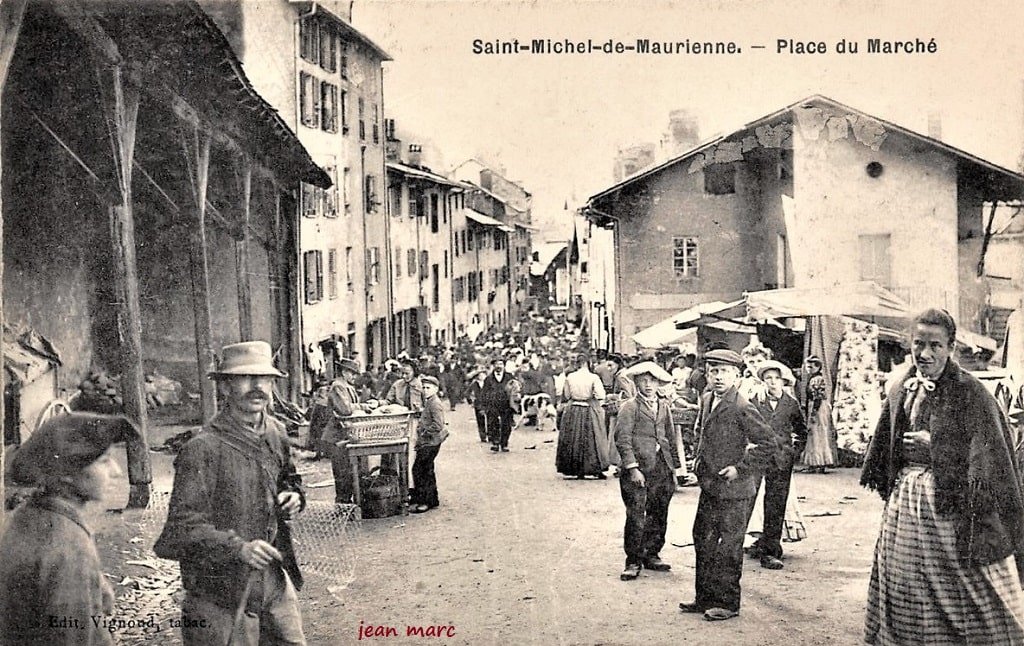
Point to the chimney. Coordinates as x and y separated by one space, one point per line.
935 125
415 155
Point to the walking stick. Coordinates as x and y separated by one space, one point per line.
240 610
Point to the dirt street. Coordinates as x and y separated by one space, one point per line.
518 555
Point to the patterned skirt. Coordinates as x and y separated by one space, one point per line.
921 593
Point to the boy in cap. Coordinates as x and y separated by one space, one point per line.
341 398
644 439
234 486
431 432
52 588
783 414
726 470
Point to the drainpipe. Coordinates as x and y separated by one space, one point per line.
366 249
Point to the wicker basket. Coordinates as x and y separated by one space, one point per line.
377 428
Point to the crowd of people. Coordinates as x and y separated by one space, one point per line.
947 563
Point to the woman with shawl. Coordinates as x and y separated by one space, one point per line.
946 564
821 450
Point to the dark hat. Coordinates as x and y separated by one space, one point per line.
813 359
727 357
247 358
348 364
428 379
67 444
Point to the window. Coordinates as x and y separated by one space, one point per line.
446 263
445 206
720 179
424 264
376 124
371 194
411 261
312 264
398 262
373 266
685 257
346 189
362 119
348 269
332 273
459 289
875 259
395 200
329 107
343 108
309 99
344 59
309 40
434 228
464 247
471 286
309 201
469 242
328 48
497 241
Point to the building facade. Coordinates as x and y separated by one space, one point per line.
325 79
815 195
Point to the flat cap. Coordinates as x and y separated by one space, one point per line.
727 357
429 379
65 445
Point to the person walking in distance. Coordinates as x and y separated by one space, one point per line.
475 395
643 436
234 489
726 471
499 406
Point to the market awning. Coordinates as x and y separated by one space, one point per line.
713 313
681 326
664 333
864 298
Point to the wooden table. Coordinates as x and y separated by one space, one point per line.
399 447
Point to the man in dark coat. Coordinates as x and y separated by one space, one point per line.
234 488
783 414
496 398
644 439
726 471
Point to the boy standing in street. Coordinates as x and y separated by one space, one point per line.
726 470
430 433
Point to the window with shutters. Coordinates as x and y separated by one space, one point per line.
469 241
362 119
876 259
329 196
398 262
328 48
343 50
328 107
312 263
411 261
309 40
376 123
309 100
434 227
332 273
349 285
346 189
373 265
309 200
343 109
424 265
371 193
395 200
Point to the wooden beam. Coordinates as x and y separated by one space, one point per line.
124 117
11 14
196 146
242 255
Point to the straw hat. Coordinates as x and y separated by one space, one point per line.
781 368
648 368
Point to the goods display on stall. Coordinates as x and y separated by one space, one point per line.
857 397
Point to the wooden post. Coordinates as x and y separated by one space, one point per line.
196 147
124 117
11 13
242 256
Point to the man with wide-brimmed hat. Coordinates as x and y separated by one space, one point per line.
644 439
726 469
234 488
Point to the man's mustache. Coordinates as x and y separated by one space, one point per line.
256 394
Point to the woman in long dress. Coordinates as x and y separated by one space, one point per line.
582 440
947 561
821 450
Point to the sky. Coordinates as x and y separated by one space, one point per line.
555 122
